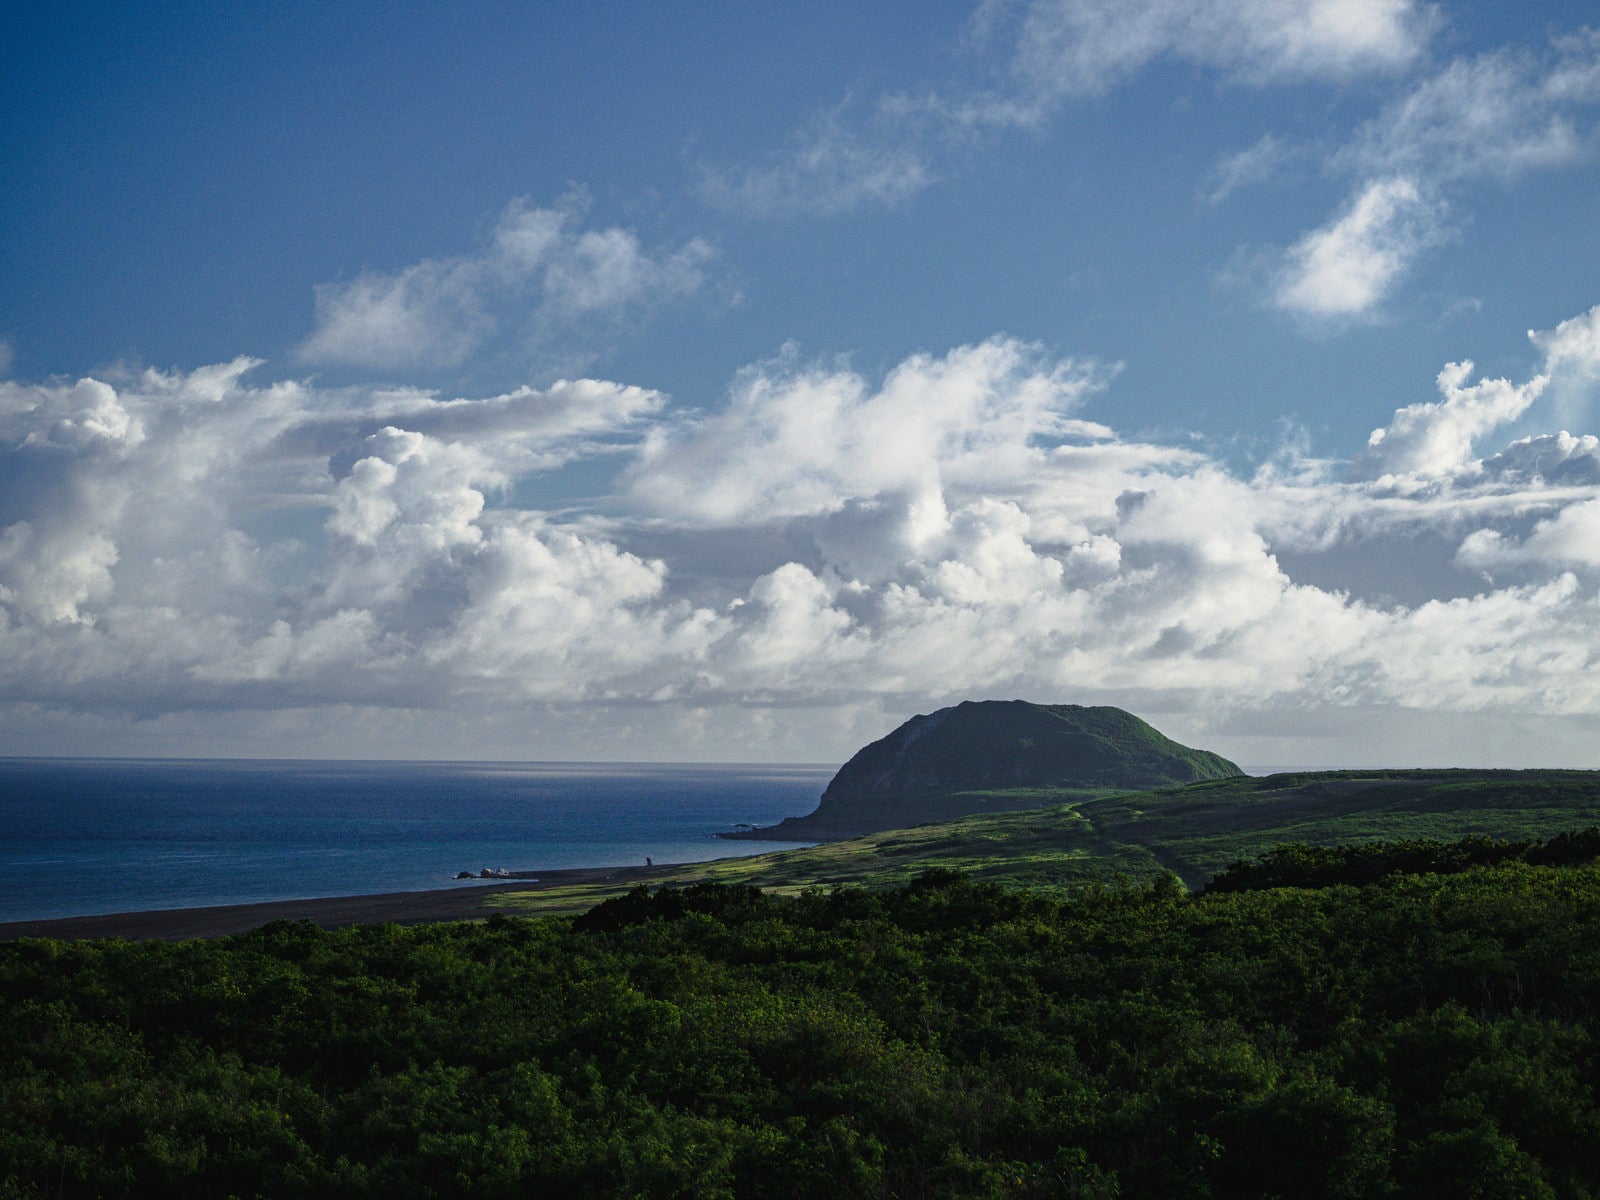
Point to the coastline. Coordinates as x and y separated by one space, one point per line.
330 912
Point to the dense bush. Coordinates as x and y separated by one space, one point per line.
1323 866
1424 1034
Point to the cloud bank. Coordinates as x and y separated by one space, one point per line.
819 550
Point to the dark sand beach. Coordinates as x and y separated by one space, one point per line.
441 904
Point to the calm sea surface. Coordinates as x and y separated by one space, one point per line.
83 836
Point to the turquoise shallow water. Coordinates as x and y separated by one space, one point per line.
84 836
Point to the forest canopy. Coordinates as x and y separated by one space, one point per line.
1421 1025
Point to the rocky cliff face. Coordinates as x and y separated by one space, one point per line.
939 766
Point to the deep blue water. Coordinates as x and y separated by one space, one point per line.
83 836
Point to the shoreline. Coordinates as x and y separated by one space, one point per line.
329 912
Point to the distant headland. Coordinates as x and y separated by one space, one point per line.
993 755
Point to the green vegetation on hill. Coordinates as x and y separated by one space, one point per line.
1426 1034
1194 831
1198 831
953 762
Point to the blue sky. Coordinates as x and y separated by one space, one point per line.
734 381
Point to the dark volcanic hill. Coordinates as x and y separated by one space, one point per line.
949 763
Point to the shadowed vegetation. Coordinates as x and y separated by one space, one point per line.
1425 1031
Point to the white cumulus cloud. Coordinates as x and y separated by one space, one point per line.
1572 348
1499 115
539 273
1046 54
1346 269
1436 438
1072 47
794 440
1570 538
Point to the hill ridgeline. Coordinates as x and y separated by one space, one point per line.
993 755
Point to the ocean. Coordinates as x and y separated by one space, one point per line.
86 836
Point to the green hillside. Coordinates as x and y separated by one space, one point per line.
1194 832
953 762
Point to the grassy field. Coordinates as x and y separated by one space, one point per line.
1192 831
